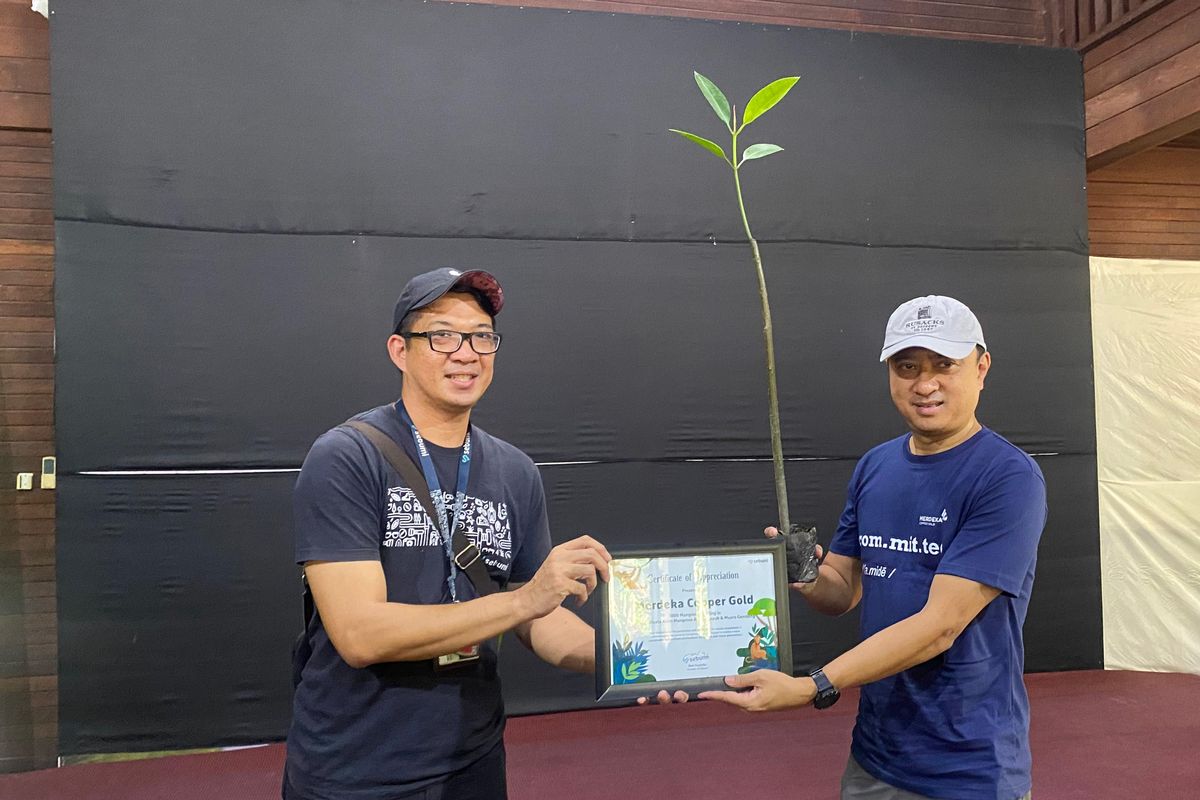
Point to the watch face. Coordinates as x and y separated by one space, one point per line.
827 693
826 699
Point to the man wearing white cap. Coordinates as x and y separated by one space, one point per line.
938 543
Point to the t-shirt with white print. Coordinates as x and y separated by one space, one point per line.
392 728
956 726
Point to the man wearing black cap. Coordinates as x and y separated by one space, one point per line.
399 696
937 545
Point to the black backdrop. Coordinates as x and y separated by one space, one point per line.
242 189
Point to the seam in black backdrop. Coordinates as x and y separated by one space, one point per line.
242 189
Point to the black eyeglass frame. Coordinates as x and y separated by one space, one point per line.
463 337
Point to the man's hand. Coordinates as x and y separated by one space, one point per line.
570 569
803 556
769 690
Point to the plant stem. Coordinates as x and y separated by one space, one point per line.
769 336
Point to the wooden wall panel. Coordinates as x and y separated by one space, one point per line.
1142 84
24 67
28 619
1015 21
1148 205
1083 24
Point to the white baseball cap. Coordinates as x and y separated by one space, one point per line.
937 323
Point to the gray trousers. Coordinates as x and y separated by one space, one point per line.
858 784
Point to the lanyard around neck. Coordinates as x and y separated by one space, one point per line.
445 525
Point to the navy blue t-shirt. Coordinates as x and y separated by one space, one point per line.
390 728
956 726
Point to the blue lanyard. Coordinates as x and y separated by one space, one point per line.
435 493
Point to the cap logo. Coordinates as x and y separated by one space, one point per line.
924 324
923 312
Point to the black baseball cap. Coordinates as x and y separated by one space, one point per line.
429 286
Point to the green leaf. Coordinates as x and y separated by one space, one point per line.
765 607
711 147
767 97
759 151
715 97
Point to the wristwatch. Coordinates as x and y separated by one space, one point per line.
827 693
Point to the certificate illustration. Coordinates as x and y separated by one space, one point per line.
685 618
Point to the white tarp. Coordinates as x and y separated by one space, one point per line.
1146 337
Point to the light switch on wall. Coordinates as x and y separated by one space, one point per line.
49 472
24 481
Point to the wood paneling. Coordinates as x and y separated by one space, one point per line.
28 624
1016 21
1170 31
1082 24
1150 17
24 68
1142 83
1148 206
1189 140
1171 72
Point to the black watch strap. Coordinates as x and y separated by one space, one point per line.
827 693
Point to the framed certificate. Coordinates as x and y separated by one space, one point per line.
684 617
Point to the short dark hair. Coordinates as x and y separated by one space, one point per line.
406 324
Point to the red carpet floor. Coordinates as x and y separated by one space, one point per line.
1096 735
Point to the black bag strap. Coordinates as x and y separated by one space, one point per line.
467 555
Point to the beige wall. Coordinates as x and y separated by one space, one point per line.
1146 330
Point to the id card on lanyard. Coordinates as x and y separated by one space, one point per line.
446 524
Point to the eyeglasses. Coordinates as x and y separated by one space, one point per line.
482 342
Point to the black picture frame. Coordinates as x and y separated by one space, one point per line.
610 693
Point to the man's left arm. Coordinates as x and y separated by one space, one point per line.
953 602
562 639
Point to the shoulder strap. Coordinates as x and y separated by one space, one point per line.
399 460
467 555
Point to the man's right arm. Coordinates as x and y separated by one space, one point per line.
838 586
366 629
